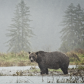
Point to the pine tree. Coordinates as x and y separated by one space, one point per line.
72 33
20 31
80 26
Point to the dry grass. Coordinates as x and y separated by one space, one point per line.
76 57
22 58
15 59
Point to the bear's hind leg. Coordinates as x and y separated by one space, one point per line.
65 70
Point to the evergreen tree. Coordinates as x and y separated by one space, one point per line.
79 26
20 31
72 31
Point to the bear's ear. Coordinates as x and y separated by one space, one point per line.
29 52
36 53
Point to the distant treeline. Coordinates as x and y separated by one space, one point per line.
73 28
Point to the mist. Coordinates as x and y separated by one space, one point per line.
46 16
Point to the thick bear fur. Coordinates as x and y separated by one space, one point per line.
52 60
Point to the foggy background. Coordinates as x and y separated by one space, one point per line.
46 16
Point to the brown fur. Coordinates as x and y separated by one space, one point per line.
52 60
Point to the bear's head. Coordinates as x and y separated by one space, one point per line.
33 56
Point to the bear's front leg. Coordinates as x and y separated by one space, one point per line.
43 68
43 71
46 71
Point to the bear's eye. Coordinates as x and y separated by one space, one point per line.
29 57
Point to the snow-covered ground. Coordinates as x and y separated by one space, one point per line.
27 79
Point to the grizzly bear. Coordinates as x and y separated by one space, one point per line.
52 60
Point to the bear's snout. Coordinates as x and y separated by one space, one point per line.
32 59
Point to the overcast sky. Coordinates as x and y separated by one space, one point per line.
46 16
